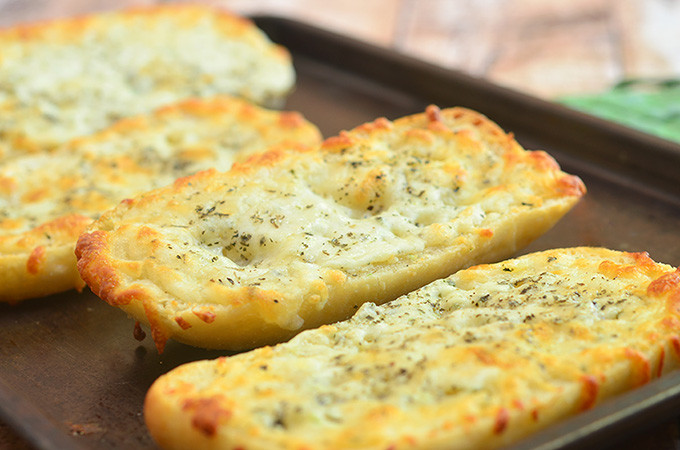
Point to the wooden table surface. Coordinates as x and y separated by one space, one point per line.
545 48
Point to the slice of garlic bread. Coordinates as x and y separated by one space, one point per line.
74 76
47 200
294 239
477 360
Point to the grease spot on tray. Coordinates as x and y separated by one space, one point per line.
81 429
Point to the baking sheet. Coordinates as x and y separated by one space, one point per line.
72 374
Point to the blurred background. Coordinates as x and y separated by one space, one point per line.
548 48
615 58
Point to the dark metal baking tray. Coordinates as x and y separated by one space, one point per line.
73 376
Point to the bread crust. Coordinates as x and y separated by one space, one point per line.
71 77
478 360
48 200
294 239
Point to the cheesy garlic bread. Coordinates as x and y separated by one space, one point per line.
74 76
294 239
48 199
474 361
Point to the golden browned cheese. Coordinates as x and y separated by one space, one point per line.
295 239
478 360
75 76
47 199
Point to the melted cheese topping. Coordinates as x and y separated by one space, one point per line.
279 228
76 76
289 228
475 360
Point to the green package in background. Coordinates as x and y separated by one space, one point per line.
652 106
